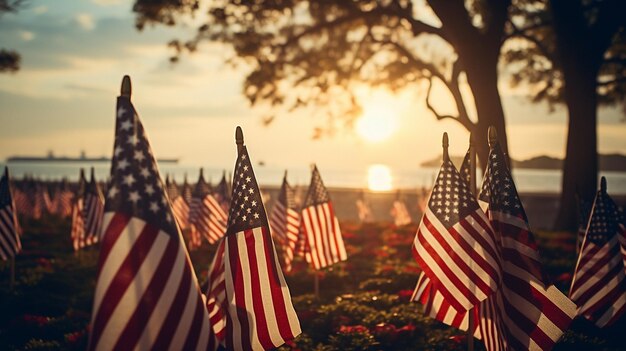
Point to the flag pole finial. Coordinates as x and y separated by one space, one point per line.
603 184
445 143
493 136
126 88
239 138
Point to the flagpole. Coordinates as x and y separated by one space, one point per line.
470 320
12 266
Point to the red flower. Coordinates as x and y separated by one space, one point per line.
405 295
348 329
39 320
459 339
565 277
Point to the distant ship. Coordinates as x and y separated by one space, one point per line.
82 158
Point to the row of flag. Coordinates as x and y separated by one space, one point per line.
479 258
480 261
147 295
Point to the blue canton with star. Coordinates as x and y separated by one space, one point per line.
136 188
498 187
605 220
317 194
246 208
451 199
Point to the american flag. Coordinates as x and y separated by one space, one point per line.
78 215
436 306
363 209
599 283
147 294
400 213
222 192
93 210
179 205
455 244
186 191
246 281
41 200
62 203
323 243
285 222
525 313
10 243
207 218
466 168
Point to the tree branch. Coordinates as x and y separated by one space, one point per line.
460 118
612 81
537 42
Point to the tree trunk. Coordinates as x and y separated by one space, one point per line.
483 81
580 169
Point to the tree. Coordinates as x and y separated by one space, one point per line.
9 59
577 56
311 53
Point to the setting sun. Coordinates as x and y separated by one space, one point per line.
379 178
379 119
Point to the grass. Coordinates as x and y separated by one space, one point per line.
363 303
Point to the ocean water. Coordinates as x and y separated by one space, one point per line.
526 180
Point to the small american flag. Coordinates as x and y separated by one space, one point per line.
599 283
436 306
363 209
248 298
466 168
222 192
525 313
10 243
455 244
285 222
179 205
321 234
147 295
78 215
93 210
207 218
400 213
62 203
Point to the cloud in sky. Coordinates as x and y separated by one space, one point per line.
40 9
107 2
86 21
26 35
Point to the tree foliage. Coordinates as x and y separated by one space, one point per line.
313 53
600 29
9 59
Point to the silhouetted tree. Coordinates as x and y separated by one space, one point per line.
310 53
9 59
575 53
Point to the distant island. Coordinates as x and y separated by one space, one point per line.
608 162
82 158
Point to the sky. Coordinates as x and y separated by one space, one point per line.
74 54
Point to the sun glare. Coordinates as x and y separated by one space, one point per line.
379 178
379 119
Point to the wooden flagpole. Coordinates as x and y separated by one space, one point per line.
470 317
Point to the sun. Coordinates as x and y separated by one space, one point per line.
379 119
379 178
